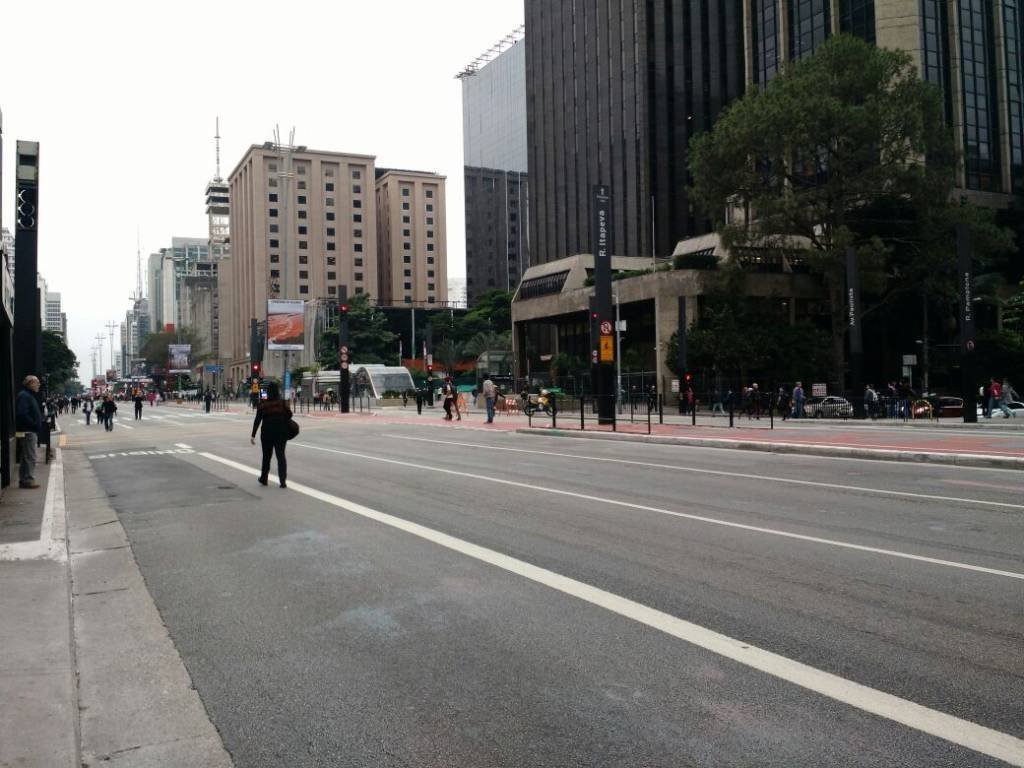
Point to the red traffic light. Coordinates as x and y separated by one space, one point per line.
255 369
343 309
593 315
688 377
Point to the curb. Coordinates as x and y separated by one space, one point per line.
804 449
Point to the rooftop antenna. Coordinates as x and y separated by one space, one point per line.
217 140
137 296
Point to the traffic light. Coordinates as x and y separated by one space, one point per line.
688 377
430 368
256 370
343 310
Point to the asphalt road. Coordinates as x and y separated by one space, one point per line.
429 596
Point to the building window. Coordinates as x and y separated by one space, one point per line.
977 51
431 299
357 247
407 273
405 191
303 289
329 216
357 203
302 214
359 289
356 174
303 229
272 213
271 182
430 206
406 246
274 244
430 286
429 193
405 219
430 259
405 206
857 17
300 185
301 170
301 199
408 299
357 233
357 218
809 25
408 286
407 259
1013 30
272 167
272 197
330 246
430 273
275 273
303 258
332 261
332 275
430 246
273 228
330 231
274 258
303 274
430 233
329 187
302 245
331 290
356 189
329 202
358 262
406 233
359 277
430 220
329 173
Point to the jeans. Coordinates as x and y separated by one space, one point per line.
274 447
490 409
108 422
992 405
27 445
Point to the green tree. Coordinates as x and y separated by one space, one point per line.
830 137
488 341
59 362
447 354
492 313
370 339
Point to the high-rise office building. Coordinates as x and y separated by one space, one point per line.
52 318
616 90
168 272
412 241
495 167
297 232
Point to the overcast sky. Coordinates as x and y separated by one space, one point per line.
123 98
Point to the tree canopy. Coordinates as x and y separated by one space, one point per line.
832 140
370 339
59 362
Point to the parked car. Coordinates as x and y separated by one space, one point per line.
1015 407
829 407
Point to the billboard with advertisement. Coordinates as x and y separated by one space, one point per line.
285 324
178 355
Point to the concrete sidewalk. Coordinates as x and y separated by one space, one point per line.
88 673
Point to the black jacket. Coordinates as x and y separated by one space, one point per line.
28 417
274 415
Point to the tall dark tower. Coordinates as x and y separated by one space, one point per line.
28 338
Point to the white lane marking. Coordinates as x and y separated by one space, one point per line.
124 426
51 544
183 445
722 473
672 513
939 724
978 484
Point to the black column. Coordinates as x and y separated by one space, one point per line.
965 276
856 380
344 355
28 338
604 371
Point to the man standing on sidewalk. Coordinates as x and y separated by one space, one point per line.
489 393
28 424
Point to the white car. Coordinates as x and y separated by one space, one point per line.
1016 408
830 407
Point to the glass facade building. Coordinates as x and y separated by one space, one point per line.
495 171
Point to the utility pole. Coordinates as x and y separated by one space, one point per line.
110 327
99 351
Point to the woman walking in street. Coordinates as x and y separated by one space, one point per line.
274 415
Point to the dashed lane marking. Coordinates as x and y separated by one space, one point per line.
951 729
673 513
723 473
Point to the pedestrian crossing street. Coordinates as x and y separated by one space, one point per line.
163 417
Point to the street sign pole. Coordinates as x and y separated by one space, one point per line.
344 376
965 275
601 236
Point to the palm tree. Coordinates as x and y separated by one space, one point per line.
488 341
448 355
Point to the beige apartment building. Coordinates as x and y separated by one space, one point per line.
303 226
411 237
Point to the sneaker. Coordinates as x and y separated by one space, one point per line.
262 480
284 485
31 484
